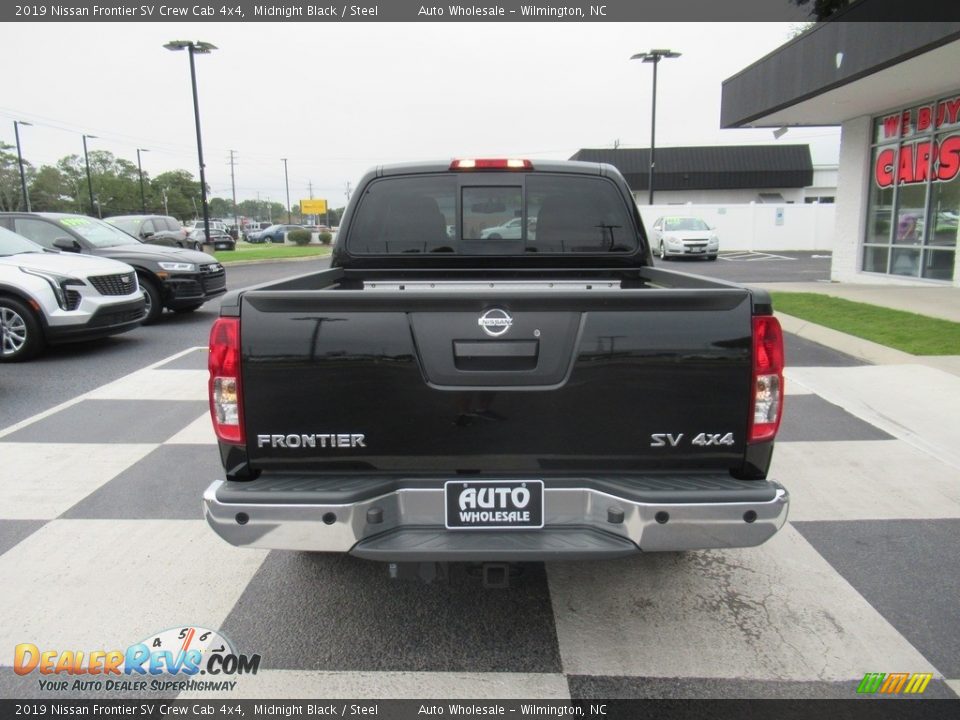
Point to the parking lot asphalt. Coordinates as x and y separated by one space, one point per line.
757 267
102 544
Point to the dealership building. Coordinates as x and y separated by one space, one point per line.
895 91
775 173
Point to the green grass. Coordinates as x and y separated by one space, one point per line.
909 332
249 251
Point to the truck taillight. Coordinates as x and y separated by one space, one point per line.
226 407
767 393
491 164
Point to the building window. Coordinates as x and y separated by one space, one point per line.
914 200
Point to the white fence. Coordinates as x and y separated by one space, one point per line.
758 226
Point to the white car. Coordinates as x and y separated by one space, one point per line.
49 297
510 230
682 236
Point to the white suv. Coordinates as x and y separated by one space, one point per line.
49 297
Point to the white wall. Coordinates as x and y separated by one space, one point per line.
852 195
753 226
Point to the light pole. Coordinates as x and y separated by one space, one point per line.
86 161
23 177
287 180
654 57
193 48
143 198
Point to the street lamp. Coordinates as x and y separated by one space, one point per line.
287 180
193 48
23 177
143 199
654 57
86 161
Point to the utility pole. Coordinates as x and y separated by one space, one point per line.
233 188
313 217
165 210
287 180
348 191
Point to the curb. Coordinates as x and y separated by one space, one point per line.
850 344
241 263
865 350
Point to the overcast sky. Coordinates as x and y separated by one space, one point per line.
337 99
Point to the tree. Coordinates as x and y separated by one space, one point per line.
182 193
115 181
11 192
52 191
823 9
221 207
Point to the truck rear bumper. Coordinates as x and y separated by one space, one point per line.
407 523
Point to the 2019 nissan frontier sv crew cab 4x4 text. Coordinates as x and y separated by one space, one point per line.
441 395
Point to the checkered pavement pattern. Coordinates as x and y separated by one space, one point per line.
102 544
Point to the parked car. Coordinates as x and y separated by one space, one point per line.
154 229
218 238
510 230
177 279
680 236
198 225
50 297
274 233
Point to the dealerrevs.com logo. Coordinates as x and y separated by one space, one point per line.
168 661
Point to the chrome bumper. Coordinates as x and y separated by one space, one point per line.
408 524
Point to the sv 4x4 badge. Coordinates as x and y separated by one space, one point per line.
701 440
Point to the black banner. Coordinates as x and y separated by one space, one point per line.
481 11
854 709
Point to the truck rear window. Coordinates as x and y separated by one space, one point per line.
508 214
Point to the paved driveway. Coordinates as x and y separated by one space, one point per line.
102 545
757 267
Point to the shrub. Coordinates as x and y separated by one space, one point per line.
325 237
299 237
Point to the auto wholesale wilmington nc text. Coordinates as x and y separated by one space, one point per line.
547 11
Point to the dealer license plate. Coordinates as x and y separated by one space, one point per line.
494 504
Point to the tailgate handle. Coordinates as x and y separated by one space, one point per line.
495 355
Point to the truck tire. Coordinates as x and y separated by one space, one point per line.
152 297
21 335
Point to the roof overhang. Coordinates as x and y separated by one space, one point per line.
842 70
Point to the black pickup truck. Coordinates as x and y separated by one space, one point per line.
493 370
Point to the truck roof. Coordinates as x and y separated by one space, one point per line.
554 166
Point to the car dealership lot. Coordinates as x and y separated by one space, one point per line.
756 267
102 544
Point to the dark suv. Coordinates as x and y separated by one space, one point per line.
178 279
155 229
